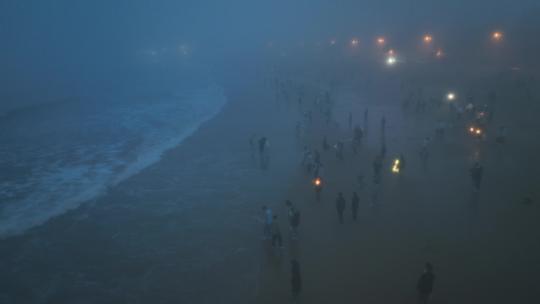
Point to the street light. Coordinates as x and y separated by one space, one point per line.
497 36
451 96
428 39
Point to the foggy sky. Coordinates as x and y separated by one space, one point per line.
56 44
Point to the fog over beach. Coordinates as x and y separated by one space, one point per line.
269 152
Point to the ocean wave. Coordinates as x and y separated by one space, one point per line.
53 164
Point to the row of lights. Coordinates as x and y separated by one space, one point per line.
496 36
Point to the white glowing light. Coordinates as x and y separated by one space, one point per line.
391 60
355 42
396 166
451 96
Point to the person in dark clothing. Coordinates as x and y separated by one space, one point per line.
357 138
477 172
264 157
366 122
325 144
425 284
295 222
262 145
383 125
340 206
339 150
318 183
296 280
355 202
317 157
377 167
276 233
401 163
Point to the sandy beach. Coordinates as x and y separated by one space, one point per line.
151 239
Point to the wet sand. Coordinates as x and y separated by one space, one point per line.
484 247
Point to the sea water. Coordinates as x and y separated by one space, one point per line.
56 156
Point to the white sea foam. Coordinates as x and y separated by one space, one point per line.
108 147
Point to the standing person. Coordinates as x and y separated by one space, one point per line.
355 202
377 167
366 123
383 126
401 163
339 150
291 213
425 284
296 280
318 183
295 222
477 171
340 207
325 144
263 144
276 233
357 138
267 231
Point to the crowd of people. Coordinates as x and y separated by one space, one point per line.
468 115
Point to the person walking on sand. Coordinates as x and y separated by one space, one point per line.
295 222
425 284
291 212
340 206
355 202
267 231
366 114
277 241
476 172
296 280
263 152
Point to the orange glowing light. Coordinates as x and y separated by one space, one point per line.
317 182
381 41
497 36
428 38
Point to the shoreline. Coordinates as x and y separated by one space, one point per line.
150 226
